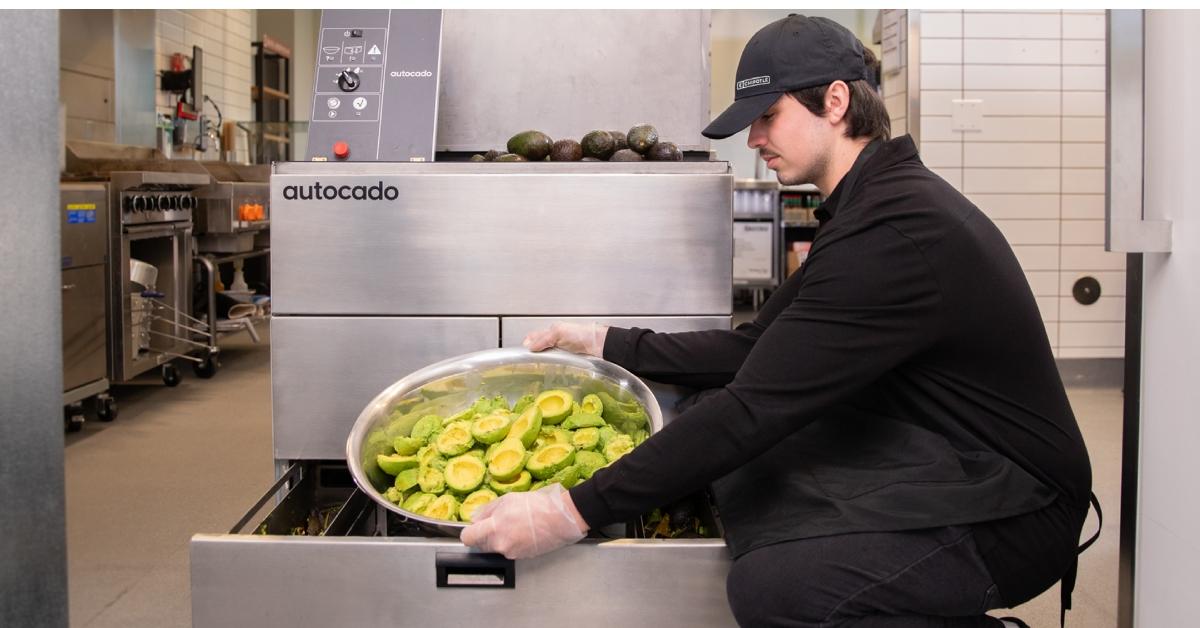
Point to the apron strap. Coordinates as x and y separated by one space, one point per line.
1068 579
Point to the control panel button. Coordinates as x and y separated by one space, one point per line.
341 150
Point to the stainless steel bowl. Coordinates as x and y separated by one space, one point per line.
450 386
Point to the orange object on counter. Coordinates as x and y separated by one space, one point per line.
251 212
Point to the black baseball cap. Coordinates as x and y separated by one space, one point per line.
789 54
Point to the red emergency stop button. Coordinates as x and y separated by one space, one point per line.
341 150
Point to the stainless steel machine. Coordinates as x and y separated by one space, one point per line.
84 230
152 203
380 269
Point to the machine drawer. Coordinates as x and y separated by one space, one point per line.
353 575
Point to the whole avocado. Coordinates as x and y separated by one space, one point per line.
566 150
478 158
598 144
626 155
664 151
618 140
642 138
532 145
491 155
510 157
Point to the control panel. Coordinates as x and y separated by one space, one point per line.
376 87
156 203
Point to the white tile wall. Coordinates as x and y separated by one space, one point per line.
942 154
1011 155
1022 25
1044 283
224 35
1015 103
1037 166
1012 206
1023 180
1009 51
1083 155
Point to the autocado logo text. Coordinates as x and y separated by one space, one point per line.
318 192
410 74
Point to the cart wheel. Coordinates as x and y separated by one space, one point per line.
106 408
205 369
170 375
73 418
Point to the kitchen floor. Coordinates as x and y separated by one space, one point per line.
190 459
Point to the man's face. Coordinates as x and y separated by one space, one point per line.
793 141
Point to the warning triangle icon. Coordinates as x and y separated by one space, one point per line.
374 51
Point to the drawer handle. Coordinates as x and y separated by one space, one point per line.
489 571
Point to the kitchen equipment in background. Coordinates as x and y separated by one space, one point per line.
152 201
84 208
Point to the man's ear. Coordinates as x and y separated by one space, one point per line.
837 101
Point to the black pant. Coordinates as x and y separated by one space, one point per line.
918 578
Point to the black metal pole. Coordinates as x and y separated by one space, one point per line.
1129 439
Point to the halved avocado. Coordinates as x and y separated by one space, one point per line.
588 462
568 476
406 479
455 440
395 463
394 495
519 485
585 438
527 425
464 473
418 501
426 427
407 445
555 405
550 459
550 435
508 460
591 404
491 451
524 402
473 502
582 419
428 456
431 480
443 507
492 428
618 446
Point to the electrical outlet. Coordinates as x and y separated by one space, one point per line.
967 115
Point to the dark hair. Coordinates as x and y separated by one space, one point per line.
867 115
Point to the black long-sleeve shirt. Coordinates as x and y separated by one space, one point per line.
901 379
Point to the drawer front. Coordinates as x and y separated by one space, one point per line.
285 582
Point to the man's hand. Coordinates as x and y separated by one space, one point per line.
524 525
587 338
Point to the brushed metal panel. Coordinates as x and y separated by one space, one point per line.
84 356
610 70
325 370
297 583
479 244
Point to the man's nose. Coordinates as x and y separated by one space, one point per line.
757 138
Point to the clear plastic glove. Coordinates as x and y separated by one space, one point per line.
524 525
586 338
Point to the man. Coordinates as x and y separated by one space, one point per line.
889 442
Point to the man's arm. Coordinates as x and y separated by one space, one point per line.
698 359
867 304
